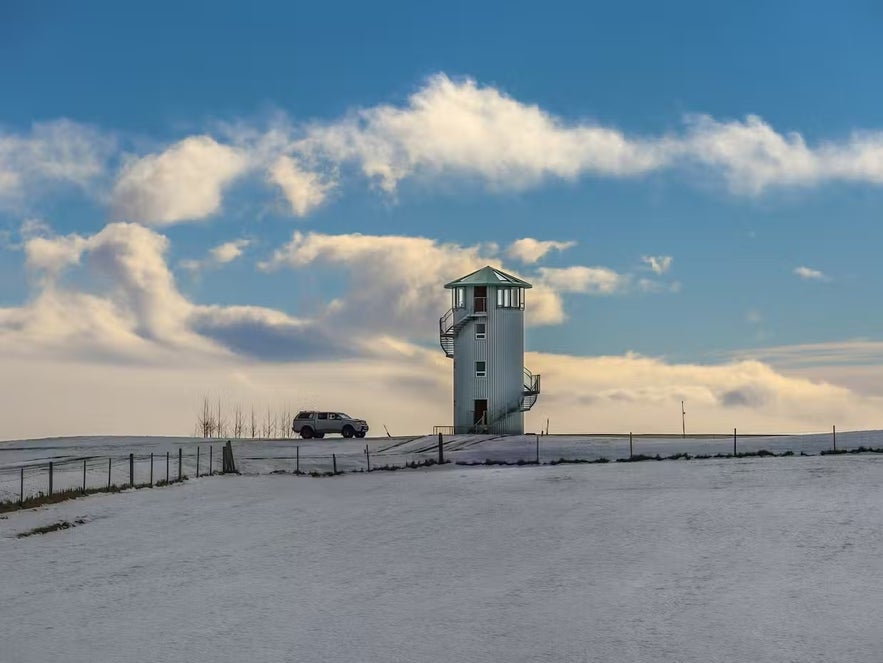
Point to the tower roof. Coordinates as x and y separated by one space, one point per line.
488 276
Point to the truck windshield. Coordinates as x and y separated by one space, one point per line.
343 416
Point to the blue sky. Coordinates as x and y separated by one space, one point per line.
752 162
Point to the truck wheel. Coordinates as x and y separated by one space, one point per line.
348 431
306 432
360 434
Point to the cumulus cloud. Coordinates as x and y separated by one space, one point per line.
460 128
54 152
644 394
134 310
809 274
447 129
229 251
220 255
658 264
589 280
304 190
529 250
396 281
185 182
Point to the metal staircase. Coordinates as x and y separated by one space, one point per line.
448 329
529 394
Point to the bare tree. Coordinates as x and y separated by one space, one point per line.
254 426
237 421
222 425
205 421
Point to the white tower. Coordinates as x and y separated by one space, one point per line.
484 334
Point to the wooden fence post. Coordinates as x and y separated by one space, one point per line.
210 451
834 431
109 461
734 442
84 476
368 456
334 462
297 459
151 469
167 466
50 477
441 450
180 462
537 436
197 462
631 447
21 495
132 470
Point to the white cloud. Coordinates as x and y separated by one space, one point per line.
220 255
183 183
229 251
396 281
809 274
529 250
658 264
60 151
304 190
588 280
460 128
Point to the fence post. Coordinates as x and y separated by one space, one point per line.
297 459
441 450
734 442
537 436
197 462
334 461
109 461
151 469
180 462
834 430
368 456
21 498
631 448
50 477
210 451
84 476
131 470
167 466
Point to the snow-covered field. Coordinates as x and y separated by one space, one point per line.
716 560
266 456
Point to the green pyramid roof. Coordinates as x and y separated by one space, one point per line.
488 276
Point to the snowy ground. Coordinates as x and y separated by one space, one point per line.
719 560
266 456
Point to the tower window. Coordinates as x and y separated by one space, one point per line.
459 297
480 369
480 330
508 297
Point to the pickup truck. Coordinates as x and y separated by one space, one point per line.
310 423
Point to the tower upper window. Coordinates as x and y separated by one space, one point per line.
508 297
459 297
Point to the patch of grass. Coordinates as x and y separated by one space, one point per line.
42 499
54 527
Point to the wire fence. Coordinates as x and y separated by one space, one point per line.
34 483
328 457
28 481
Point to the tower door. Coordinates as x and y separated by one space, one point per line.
480 298
480 411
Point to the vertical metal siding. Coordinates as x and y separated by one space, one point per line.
503 352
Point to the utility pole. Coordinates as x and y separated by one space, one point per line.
683 421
